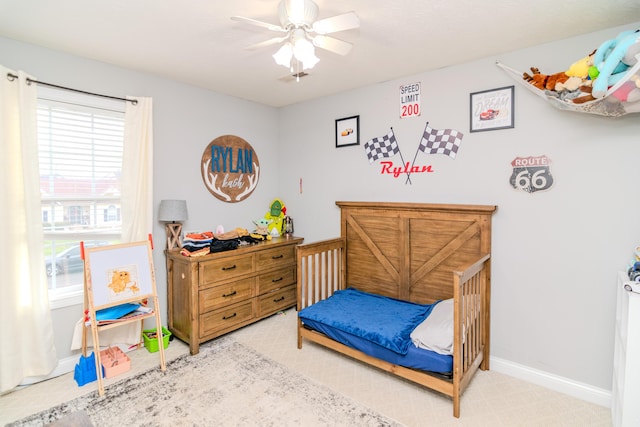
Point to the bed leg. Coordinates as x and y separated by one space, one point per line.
299 335
456 406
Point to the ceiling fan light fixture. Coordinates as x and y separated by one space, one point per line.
301 50
304 52
303 33
283 55
310 62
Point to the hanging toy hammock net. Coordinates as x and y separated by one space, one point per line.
616 63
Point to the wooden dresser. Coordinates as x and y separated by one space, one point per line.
212 295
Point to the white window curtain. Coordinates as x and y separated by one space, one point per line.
136 199
28 347
137 171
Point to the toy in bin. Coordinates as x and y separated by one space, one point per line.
634 272
150 338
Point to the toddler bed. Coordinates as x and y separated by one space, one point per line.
406 288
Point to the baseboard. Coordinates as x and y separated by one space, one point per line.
65 365
576 389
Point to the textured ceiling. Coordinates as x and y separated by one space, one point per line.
196 42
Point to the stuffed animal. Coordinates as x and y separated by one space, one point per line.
604 50
277 212
581 67
545 81
262 226
618 56
577 75
629 91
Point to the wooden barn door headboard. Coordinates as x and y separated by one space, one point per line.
409 250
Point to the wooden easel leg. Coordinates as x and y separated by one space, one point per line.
85 318
90 314
160 337
96 352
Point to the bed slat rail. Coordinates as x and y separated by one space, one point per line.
470 329
320 270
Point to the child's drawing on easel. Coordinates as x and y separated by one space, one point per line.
123 282
119 273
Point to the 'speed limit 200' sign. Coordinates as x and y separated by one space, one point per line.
410 100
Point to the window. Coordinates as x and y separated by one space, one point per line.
80 145
112 213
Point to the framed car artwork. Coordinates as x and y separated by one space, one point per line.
492 109
348 131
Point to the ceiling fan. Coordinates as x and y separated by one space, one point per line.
301 33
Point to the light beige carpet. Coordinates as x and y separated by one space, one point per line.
226 384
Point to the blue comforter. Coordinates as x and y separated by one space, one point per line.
385 321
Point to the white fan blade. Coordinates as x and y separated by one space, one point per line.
266 43
266 25
332 44
346 21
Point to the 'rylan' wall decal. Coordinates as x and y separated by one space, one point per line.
433 141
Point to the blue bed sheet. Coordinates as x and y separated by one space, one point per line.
376 325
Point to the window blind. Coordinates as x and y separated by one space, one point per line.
80 148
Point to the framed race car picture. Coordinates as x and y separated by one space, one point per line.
492 109
348 131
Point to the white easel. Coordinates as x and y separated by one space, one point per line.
115 275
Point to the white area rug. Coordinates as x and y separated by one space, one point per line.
226 384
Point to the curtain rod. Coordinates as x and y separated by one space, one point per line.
12 77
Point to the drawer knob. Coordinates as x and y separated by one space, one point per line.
277 256
229 268
277 280
230 295
229 317
279 299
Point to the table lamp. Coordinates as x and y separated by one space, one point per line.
172 212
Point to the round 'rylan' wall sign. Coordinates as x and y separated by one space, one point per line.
230 168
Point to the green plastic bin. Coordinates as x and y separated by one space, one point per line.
150 340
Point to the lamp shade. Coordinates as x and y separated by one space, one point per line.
283 55
172 210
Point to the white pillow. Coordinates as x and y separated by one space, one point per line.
435 333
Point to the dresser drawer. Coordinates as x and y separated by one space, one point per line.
226 317
228 293
278 300
219 270
276 257
276 279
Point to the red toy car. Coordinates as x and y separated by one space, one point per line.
489 114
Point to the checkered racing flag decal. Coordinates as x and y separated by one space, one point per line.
384 146
445 141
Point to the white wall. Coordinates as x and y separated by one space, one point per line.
555 253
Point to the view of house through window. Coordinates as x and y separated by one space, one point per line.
80 143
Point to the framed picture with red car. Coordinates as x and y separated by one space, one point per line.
492 109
